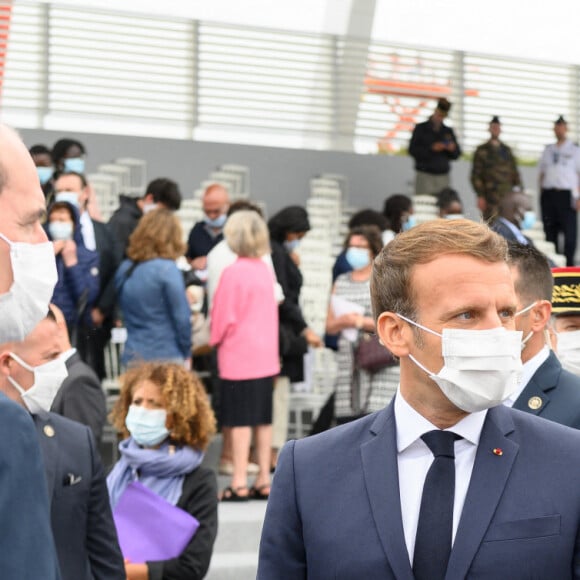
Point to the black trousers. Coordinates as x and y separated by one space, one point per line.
559 216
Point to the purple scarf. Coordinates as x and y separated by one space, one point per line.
161 470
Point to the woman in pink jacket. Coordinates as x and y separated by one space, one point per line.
244 328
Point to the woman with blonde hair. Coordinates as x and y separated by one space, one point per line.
151 292
244 328
164 413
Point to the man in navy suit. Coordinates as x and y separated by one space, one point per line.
515 214
348 503
546 390
26 544
82 524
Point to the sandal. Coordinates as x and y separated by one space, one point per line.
230 494
258 492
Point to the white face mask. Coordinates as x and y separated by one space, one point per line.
149 207
26 303
569 350
481 369
48 378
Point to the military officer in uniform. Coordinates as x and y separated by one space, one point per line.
559 180
494 172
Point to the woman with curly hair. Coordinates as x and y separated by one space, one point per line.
151 292
165 415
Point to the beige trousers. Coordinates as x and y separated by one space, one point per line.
280 411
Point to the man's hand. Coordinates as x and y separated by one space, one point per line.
97 317
438 147
199 263
451 147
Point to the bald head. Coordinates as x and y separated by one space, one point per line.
216 201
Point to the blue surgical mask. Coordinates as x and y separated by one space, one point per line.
60 230
291 245
68 197
529 220
358 257
147 426
217 222
410 223
74 165
44 174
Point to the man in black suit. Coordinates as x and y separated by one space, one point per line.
73 187
82 523
80 397
546 390
514 215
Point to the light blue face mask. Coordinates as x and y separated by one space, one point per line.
74 165
291 245
147 426
68 196
410 223
60 230
217 222
529 220
44 174
358 258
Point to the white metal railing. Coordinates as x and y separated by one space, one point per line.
75 68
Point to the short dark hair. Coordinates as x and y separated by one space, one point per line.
244 205
368 217
60 148
372 234
446 197
535 281
60 174
165 191
63 205
39 150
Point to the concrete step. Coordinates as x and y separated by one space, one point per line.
235 554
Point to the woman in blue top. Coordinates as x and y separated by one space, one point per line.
151 292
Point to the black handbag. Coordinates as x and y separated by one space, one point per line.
370 355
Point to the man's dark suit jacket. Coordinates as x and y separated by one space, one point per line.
335 510
81 397
557 389
82 523
26 546
505 232
110 257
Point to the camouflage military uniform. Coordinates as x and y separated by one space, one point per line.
494 173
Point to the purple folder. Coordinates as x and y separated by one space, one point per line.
149 527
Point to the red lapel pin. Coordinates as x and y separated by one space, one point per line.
497 451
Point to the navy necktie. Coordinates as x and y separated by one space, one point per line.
435 528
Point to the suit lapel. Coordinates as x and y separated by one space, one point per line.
381 475
49 448
535 397
490 474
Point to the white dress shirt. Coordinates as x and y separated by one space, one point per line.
88 231
529 368
560 166
414 459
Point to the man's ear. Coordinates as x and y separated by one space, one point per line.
541 314
6 363
394 333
